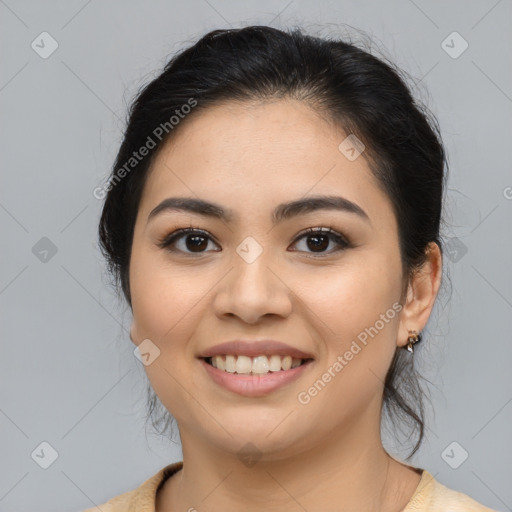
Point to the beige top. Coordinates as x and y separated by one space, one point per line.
430 496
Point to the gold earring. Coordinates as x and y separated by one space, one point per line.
413 338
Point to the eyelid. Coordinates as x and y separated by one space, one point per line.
169 238
343 241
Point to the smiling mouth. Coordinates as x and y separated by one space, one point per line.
259 365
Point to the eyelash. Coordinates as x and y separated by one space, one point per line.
341 240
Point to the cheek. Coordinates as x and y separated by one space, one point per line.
164 296
357 315
166 307
351 297
354 315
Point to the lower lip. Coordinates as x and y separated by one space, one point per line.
254 385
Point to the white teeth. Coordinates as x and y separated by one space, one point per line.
295 362
257 365
230 364
243 364
275 363
260 364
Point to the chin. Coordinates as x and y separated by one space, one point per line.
256 439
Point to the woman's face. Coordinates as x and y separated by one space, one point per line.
254 276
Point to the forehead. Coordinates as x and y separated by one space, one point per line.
258 154
285 129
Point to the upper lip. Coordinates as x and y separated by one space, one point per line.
255 348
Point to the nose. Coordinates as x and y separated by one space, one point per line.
251 291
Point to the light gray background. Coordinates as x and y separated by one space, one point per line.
67 370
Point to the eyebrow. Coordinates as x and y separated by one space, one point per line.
282 212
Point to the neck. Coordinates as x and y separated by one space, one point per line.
346 471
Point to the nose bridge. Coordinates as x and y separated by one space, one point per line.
252 271
252 288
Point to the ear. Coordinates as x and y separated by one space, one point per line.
421 295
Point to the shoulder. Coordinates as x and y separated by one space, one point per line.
432 496
141 499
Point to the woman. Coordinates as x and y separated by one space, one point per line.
273 222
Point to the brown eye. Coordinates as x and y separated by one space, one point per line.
196 242
317 240
187 240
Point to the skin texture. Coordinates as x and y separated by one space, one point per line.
326 455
